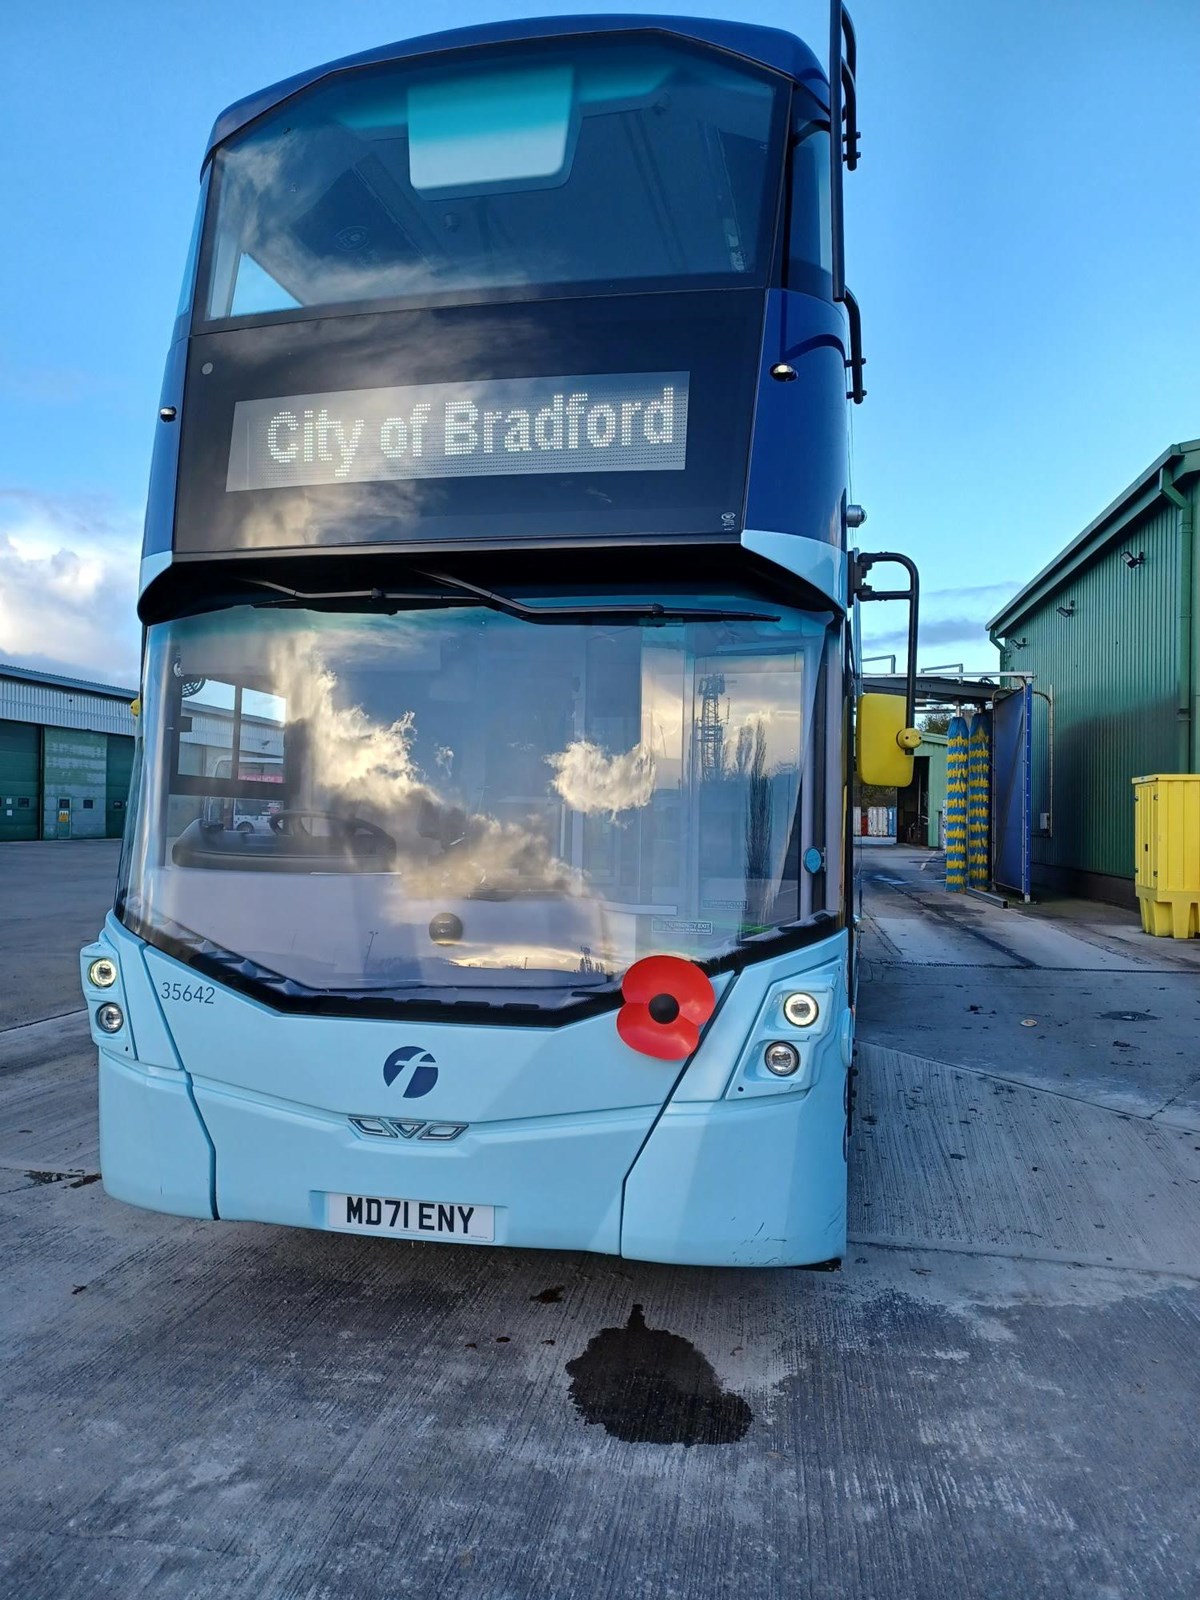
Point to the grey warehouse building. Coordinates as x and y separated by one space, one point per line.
66 756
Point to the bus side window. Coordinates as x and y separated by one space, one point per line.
205 727
234 736
810 236
260 736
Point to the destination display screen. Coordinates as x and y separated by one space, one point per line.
602 418
627 422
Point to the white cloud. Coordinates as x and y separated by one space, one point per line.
593 782
68 585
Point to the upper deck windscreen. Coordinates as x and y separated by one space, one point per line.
571 167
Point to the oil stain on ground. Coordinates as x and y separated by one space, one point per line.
647 1386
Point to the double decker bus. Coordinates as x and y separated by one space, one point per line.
486 870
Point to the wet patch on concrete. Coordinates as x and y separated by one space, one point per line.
647 1386
551 1296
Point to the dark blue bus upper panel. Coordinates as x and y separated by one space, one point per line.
527 293
769 47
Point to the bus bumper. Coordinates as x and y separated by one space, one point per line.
730 1185
154 1151
735 1169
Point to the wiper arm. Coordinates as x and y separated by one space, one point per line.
307 597
650 610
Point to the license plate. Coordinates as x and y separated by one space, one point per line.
409 1219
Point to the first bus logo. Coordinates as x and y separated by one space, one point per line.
418 1064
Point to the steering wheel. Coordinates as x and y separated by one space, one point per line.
291 823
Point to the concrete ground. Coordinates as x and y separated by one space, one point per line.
996 1397
53 898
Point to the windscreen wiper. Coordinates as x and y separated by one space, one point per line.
649 611
284 596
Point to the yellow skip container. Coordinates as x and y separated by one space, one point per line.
1166 814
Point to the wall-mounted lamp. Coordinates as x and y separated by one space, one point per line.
1131 560
1016 644
1066 611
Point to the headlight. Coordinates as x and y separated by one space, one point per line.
781 1058
801 1010
103 973
110 1018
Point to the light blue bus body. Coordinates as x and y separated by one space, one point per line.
434 752
226 1110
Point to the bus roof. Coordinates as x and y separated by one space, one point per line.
769 47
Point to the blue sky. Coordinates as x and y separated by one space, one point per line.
1023 238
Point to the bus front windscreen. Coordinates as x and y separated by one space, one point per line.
558 168
452 798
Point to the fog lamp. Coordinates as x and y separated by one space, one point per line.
103 973
110 1018
781 1058
801 1010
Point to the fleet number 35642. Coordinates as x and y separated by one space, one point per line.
200 994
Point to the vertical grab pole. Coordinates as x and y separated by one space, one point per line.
838 255
861 563
914 608
843 151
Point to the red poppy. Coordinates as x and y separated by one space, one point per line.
667 1002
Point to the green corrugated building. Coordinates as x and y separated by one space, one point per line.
1111 632
919 808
